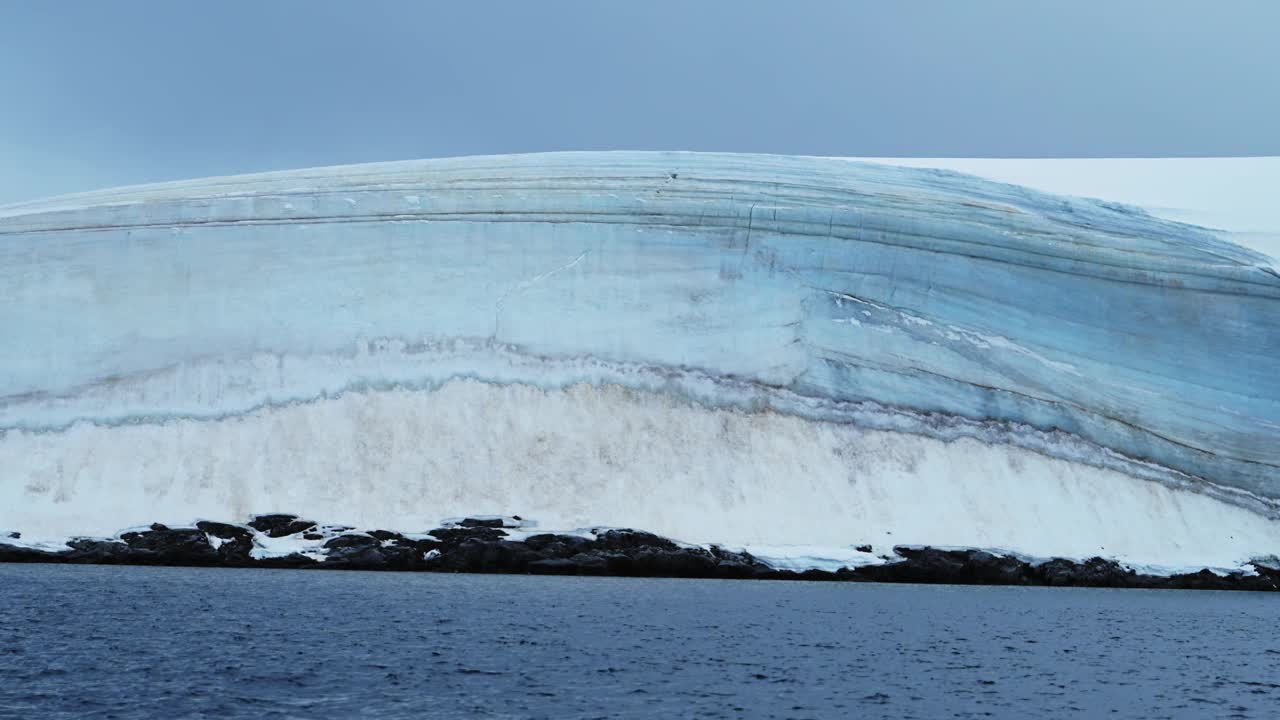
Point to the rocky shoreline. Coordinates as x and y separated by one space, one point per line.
496 545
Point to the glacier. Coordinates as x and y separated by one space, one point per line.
768 351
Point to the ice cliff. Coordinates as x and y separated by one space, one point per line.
773 351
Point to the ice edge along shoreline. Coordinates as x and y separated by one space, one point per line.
504 545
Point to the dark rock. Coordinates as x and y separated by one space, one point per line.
481 522
632 540
15 535
681 562
922 565
16 554
1206 580
1268 576
580 564
737 564
165 546
692 562
1057 572
280 525
225 531
983 568
378 550
425 545
618 563
480 555
90 551
290 561
452 536
558 546
357 557
265 523
234 542
589 564
931 565
735 570
863 548
404 556
312 536
741 558
293 528
1097 572
848 575
553 566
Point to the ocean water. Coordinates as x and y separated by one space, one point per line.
131 642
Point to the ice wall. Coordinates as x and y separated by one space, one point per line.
892 298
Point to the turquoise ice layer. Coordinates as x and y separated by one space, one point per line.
831 282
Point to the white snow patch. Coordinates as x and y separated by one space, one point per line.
265 546
805 557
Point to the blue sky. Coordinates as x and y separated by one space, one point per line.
107 93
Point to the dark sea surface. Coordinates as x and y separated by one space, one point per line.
135 642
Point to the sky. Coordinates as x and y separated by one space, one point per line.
95 94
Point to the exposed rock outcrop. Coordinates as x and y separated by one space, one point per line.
486 546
